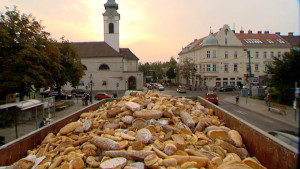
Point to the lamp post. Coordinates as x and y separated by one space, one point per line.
250 74
91 84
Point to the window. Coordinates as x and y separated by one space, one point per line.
266 67
257 54
239 78
247 67
104 83
214 67
218 79
111 28
208 54
225 78
265 54
269 40
280 41
208 67
279 54
200 67
104 67
226 54
257 41
226 67
235 67
256 67
203 68
214 54
235 54
232 78
272 54
226 40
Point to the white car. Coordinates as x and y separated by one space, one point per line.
160 87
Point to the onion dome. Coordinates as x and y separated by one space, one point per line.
210 41
111 4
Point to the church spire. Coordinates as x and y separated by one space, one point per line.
111 4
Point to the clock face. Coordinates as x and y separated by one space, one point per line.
110 16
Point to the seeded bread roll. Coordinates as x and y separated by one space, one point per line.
187 119
236 138
144 135
113 163
70 127
105 143
148 114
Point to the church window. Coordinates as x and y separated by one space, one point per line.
111 28
104 83
104 67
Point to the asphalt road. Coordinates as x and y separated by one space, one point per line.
256 119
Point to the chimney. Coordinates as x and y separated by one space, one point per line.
233 31
277 33
291 34
249 31
241 31
259 32
267 32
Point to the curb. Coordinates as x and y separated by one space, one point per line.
279 120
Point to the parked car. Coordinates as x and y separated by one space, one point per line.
212 97
290 138
61 96
100 96
181 89
160 87
227 88
77 92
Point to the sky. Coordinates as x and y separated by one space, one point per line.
156 30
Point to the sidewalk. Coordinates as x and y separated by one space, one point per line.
25 128
259 106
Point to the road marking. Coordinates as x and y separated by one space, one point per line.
239 111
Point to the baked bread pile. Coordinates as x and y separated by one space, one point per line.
143 130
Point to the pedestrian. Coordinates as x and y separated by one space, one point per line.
87 99
42 123
237 99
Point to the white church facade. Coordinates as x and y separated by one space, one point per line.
109 67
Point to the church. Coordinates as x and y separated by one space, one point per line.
108 67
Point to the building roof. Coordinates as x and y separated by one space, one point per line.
95 49
261 39
101 49
126 52
293 40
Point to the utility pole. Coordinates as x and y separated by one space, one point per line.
250 74
91 83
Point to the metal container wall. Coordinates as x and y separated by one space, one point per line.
267 149
17 149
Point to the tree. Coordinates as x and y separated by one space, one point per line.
187 69
20 61
172 66
285 72
30 60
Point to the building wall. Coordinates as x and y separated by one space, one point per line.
106 80
209 78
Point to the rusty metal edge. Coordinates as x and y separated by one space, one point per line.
279 155
17 149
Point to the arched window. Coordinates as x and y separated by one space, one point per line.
111 28
84 67
104 67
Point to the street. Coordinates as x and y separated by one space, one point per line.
255 118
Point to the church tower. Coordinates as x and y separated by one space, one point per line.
111 24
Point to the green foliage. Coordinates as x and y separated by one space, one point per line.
159 70
285 72
29 59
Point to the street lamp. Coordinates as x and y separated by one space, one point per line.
91 84
250 74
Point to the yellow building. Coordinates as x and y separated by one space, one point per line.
221 59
